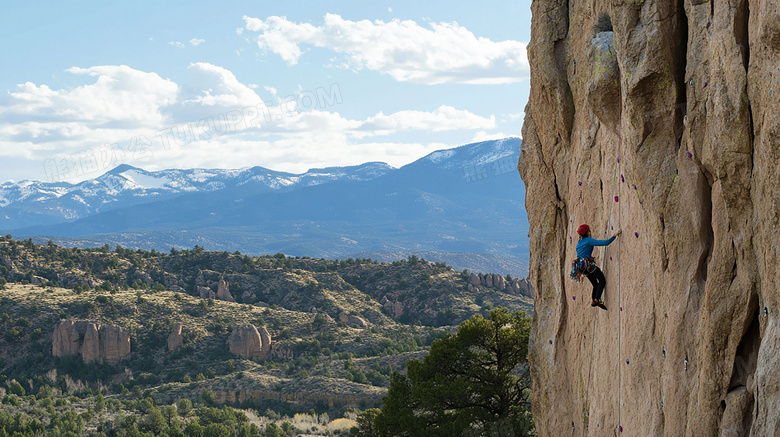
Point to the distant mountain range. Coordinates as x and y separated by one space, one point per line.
33 203
463 206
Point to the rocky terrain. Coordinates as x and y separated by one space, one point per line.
273 332
662 123
431 293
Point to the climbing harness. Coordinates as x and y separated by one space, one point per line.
582 266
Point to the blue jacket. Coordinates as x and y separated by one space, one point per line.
585 246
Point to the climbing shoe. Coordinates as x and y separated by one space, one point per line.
598 303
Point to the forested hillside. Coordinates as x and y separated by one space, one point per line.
273 335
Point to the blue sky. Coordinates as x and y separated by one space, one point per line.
285 85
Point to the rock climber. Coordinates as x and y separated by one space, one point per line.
585 264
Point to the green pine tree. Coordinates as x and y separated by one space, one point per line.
475 381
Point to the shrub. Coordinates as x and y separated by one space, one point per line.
184 406
13 334
208 396
100 403
16 389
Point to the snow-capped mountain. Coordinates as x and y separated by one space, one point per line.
466 200
31 203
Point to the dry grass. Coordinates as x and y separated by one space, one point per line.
340 424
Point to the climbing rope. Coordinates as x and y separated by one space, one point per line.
586 414
620 301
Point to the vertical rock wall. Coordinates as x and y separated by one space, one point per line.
247 341
685 93
91 341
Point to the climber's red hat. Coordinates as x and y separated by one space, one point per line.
583 230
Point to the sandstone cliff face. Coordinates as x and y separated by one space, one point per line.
114 343
65 340
90 349
247 341
91 341
667 128
265 337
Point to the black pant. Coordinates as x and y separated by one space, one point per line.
599 282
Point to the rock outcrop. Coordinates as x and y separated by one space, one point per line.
65 340
206 293
392 309
265 338
175 339
282 352
247 342
90 349
7 262
668 129
223 291
521 287
90 341
492 280
114 343
354 321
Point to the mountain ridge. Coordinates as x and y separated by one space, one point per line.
450 201
125 182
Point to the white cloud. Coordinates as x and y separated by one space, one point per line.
295 153
211 85
440 53
120 96
197 41
441 119
487 136
273 92
177 44
140 114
